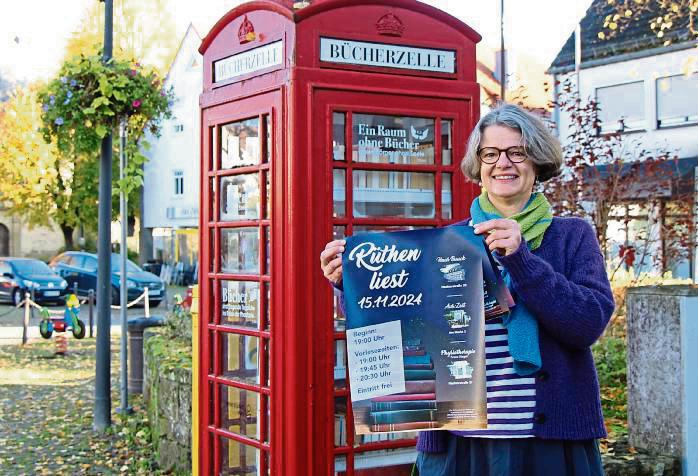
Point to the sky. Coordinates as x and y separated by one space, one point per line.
31 44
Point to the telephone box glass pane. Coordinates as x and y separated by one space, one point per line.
212 148
382 228
267 363
340 364
267 245
212 201
240 411
340 321
240 144
240 250
340 465
240 303
373 438
267 190
393 194
446 142
212 247
267 131
339 192
240 358
390 461
446 207
238 459
266 295
340 421
240 197
338 138
339 232
392 139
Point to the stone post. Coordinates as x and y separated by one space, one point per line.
663 371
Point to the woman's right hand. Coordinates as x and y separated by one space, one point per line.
331 261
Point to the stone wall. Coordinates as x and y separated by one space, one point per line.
662 351
167 395
39 242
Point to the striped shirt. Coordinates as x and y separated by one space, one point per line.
511 399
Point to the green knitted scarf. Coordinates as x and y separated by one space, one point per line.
534 219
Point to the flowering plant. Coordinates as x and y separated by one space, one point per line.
89 98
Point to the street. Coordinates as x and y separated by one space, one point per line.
11 319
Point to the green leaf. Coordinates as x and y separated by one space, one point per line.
101 131
99 101
105 86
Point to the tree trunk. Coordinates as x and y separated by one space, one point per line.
68 236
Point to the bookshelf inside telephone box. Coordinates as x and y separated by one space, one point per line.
338 118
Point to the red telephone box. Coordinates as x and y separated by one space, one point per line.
340 117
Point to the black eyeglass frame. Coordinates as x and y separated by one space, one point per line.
499 154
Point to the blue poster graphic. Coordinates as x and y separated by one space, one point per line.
415 304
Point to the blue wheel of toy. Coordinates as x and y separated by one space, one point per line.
46 329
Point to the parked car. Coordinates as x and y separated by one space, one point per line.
21 275
79 269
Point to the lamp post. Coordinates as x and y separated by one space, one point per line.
102 410
124 409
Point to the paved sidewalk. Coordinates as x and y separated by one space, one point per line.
13 335
46 408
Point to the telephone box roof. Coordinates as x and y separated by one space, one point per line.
284 8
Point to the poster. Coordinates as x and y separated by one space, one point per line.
416 303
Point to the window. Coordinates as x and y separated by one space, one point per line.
179 182
621 107
76 261
179 127
676 100
5 269
90 263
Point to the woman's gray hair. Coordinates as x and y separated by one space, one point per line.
543 149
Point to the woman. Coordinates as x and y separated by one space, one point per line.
543 405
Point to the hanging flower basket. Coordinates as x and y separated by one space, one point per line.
89 97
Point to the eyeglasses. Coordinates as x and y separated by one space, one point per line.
490 155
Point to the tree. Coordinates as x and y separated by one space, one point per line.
668 20
6 86
143 30
136 35
38 182
88 99
615 181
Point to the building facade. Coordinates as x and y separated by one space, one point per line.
646 89
171 176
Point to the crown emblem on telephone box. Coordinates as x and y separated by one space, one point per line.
390 25
246 32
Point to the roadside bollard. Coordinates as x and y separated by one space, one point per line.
146 302
31 309
90 307
25 321
136 326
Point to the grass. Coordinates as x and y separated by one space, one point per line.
609 355
46 415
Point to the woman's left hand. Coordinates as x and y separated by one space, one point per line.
503 235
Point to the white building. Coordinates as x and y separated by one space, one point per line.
170 205
646 89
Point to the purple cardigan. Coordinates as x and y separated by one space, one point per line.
565 286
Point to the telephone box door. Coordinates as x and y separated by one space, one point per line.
392 163
236 285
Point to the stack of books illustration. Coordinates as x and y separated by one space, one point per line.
416 408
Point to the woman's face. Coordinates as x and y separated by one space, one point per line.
505 180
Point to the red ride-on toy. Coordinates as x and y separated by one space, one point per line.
69 320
